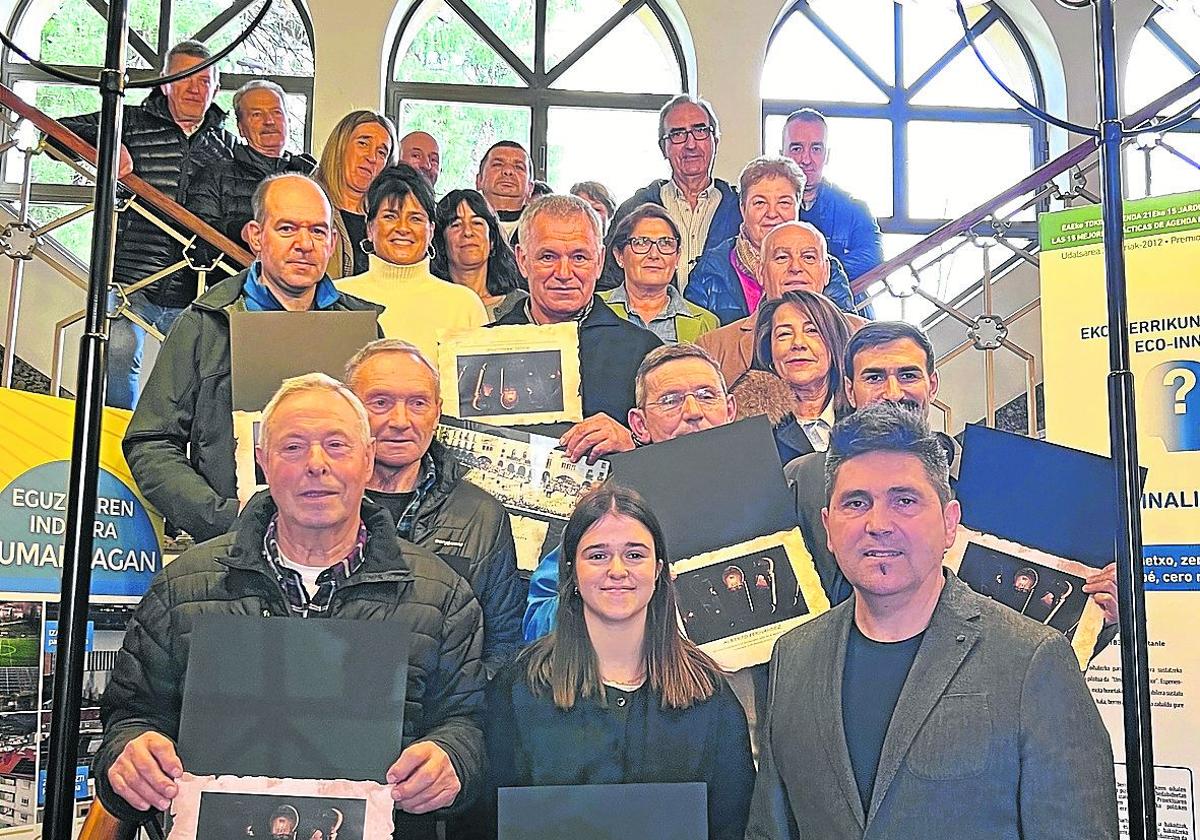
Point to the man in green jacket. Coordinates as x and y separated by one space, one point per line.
179 444
421 483
311 547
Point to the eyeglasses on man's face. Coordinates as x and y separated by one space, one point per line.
666 245
679 136
672 403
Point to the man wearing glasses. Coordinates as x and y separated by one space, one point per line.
705 208
679 389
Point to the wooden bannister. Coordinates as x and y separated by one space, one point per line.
1044 174
157 199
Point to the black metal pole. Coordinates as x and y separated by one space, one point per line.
1131 599
85 447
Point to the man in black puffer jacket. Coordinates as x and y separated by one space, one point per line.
421 484
221 193
170 137
309 548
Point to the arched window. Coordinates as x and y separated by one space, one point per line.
578 82
1165 53
917 128
71 34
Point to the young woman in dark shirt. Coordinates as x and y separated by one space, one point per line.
616 694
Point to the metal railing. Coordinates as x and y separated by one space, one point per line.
989 226
1061 182
29 132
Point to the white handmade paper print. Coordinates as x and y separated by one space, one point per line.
229 807
736 601
512 375
1040 586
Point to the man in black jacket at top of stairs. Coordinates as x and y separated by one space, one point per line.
174 134
221 193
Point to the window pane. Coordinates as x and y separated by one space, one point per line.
785 73
613 147
279 46
867 27
570 22
446 50
1169 173
75 237
512 21
1152 71
73 33
956 166
860 159
57 101
464 132
606 66
964 81
929 31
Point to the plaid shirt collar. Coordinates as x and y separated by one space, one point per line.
328 581
429 477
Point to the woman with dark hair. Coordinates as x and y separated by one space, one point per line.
616 694
645 244
400 211
799 342
470 250
360 145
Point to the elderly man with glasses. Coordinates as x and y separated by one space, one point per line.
704 208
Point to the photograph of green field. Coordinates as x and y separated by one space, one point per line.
20 654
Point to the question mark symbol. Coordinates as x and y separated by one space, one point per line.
1187 381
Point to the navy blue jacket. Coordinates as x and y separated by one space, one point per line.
726 223
715 285
850 230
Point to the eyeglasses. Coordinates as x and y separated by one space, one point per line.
666 245
673 403
679 136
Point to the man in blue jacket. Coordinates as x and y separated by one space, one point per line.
705 208
849 228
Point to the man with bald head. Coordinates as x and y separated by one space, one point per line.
421 151
794 257
179 444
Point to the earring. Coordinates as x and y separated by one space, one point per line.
366 246
432 251
576 592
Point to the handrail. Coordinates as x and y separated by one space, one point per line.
70 141
1045 173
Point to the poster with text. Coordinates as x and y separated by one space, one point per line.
1162 250
35 448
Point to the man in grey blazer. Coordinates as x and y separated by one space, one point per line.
918 708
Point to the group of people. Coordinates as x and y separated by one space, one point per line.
915 707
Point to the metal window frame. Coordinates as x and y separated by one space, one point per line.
899 111
537 95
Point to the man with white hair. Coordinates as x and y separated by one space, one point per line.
561 256
311 546
221 193
421 484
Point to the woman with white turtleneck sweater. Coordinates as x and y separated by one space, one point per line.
417 305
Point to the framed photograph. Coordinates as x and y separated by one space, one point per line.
530 476
512 375
1039 585
224 807
736 601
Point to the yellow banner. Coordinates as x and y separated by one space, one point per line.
35 449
